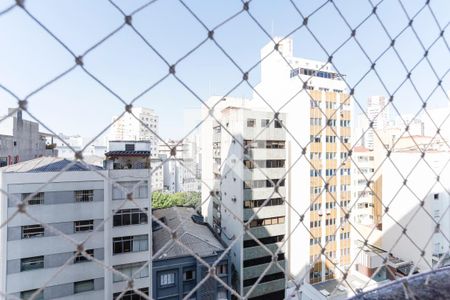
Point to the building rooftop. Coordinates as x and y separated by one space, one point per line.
196 236
47 164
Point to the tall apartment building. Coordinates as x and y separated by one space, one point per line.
130 128
20 140
77 203
244 164
378 114
318 116
363 201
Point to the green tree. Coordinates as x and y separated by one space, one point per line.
163 200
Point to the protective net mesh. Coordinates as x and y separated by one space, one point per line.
353 219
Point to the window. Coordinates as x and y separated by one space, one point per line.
436 196
134 270
251 122
278 124
84 196
83 286
81 258
259 203
275 144
265 122
86 225
3 161
31 263
129 147
120 192
267 278
261 260
167 279
133 216
253 184
25 295
126 244
221 269
189 275
266 221
32 231
265 241
36 199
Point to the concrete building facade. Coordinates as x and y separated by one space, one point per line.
245 166
318 116
77 203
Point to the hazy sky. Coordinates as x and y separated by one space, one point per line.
76 104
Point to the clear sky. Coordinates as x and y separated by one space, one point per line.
76 104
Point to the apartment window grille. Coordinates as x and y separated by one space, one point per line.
131 295
127 244
31 263
84 196
133 216
26 295
85 225
265 241
167 279
36 199
32 231
267 221
133 270
83 286
251 122
79 257
188 275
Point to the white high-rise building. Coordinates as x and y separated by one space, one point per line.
128 128
362 186
241 163
318 119
420 205
78 203
378 115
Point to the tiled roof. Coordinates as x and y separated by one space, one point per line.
47 164
128 153
197 237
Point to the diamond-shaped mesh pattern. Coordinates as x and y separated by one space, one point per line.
391 62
